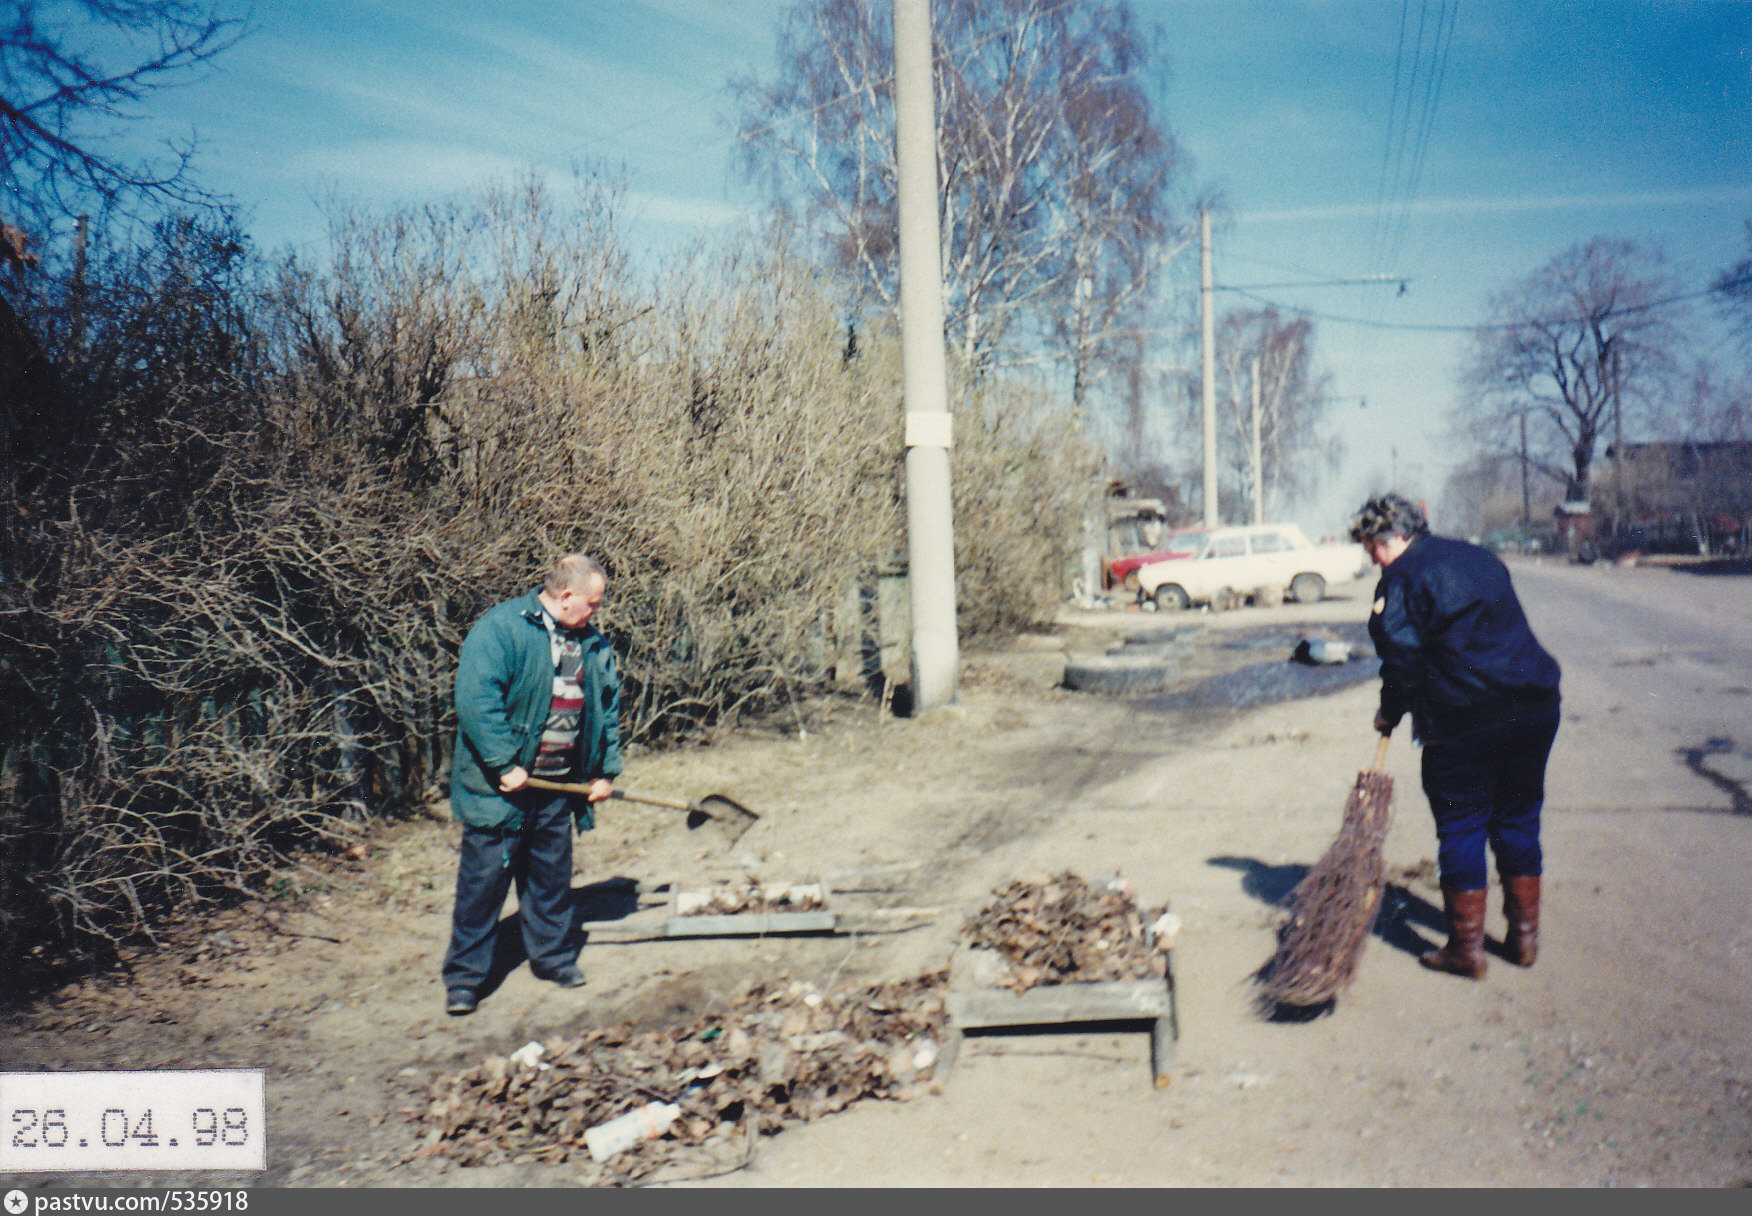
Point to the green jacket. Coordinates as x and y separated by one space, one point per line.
504 687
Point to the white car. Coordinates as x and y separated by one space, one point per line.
1244 559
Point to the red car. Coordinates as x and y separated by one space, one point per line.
1122 571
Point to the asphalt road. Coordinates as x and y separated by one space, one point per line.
1657 685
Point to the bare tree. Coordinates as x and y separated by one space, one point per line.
72 76
1733 293
1584 346
1260 349
1716 407
1057 173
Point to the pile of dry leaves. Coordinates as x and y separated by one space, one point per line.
1064 931
781 1054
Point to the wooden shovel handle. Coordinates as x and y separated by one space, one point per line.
570 787
1380 754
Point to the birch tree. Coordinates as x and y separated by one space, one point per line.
1057 173
1276 452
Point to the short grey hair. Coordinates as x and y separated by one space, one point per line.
1388 515
571 573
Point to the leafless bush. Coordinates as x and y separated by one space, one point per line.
1022 475
234 578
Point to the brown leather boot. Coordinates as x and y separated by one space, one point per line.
1464 953
1521 906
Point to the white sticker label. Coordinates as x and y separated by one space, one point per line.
212 1119
927 429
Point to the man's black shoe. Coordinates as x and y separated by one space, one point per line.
566 977
460 1001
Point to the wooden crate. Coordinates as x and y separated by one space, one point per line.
975 1004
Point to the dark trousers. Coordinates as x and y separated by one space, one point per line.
538 859
1487 786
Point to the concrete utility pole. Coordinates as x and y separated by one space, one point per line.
1257 455
929 526
1211 517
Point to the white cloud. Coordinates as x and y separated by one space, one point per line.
405 168
687 212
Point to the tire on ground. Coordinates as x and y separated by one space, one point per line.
1308 588
1117 673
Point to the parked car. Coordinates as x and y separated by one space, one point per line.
1244 559
1123 571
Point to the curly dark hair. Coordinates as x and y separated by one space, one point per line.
1388 515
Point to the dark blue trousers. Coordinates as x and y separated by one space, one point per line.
1486 786
539 860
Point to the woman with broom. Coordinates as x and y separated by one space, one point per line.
1457 653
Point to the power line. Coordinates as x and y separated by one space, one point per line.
1432 94
1373 280
1315 315
1392 117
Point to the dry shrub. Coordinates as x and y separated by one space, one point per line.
234 579
1022 478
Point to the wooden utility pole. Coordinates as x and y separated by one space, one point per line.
924 370
1526 498
1617 446
1209 327
77 328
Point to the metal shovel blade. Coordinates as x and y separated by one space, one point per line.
729 814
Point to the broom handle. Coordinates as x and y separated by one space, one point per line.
1380 754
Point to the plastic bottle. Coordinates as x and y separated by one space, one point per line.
617 1135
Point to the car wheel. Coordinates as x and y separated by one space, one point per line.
1171 597
1308 588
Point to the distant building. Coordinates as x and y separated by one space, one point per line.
1678 497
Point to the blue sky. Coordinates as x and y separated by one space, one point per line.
1553 123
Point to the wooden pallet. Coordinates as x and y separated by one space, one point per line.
657 918
975 1005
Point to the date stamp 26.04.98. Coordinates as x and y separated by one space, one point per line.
206 1119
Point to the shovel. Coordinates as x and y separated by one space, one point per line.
730 815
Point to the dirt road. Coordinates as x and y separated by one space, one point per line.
1621 1059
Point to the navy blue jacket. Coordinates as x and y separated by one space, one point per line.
1455 647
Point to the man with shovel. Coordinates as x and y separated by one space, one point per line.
1457 653
537 693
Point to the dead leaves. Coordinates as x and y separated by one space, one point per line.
781 1054
1065 931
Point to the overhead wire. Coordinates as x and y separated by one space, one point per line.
1412 327
1444 39
1401 202
1382 192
